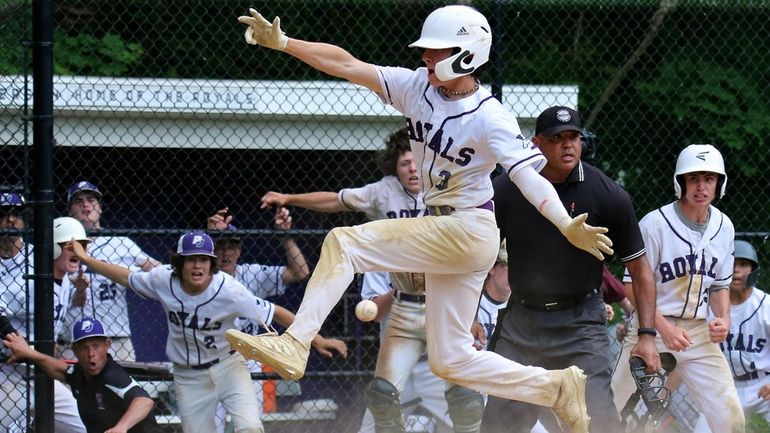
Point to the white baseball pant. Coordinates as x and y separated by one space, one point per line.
752 403
703 369
455 252
199 391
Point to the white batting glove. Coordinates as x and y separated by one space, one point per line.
262 32
588 238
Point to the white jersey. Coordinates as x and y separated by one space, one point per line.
197 323
13 294
262 281
746 347
487 315
686 263
456 143
13 288
386 198
107 299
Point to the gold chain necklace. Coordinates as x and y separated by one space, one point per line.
454 93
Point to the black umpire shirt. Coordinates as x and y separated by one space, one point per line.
104 399
542 264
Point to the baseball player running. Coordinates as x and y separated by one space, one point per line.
201 304
396 195
458 131
689 247
746 344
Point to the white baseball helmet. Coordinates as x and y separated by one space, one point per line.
461 27
699 157
64 230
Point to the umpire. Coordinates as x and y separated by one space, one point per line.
109 400
555 316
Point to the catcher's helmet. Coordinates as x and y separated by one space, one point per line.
64 230
460 27
699 157
744 250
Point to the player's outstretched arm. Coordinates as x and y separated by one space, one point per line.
52 367
541 194
115 273
297 268
327 58
319 201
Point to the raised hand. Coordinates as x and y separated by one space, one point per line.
263 32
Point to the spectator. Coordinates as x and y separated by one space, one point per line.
206 372
689 246
16 295
555 316
106 299
108 399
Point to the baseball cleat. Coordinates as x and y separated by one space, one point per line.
285 354
570 407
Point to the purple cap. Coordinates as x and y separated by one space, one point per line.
195 243
12 199
83 185
86 328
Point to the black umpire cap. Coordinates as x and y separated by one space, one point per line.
557 119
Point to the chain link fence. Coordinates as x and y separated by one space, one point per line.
164 109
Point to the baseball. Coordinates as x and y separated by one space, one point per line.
366 310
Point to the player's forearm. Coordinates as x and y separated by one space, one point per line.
138 410
320 201
52 367
541 194
115 273
335 61
719 302
297 268
643 291
283 316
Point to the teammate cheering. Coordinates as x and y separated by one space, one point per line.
689 247
458 131
201 304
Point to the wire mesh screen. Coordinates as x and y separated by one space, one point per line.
170 117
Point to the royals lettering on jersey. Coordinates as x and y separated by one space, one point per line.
456 143
197 323
746 346
686 263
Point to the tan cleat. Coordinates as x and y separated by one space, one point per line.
570 407
285 354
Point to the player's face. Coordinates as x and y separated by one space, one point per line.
407 172
432 56
741 270
498 286
67 263
86 208
700 188
562 151
92 354
196 273
10 218
227 258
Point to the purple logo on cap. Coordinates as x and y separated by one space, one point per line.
195 243
11 199
87 328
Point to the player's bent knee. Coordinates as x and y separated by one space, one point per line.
381 399
466 408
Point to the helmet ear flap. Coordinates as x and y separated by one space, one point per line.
679 187
56 250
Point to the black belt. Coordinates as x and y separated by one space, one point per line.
448 210
751 376
555 305
208 364
408 297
